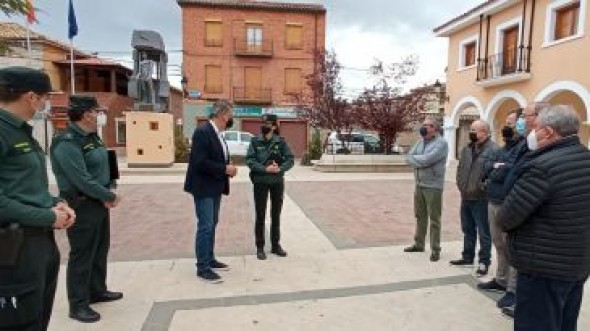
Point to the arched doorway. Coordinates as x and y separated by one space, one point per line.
574 94
498 109
457 125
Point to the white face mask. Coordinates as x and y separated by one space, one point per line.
532 141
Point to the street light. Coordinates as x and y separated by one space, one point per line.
440 92
184 85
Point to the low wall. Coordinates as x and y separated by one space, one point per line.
362 163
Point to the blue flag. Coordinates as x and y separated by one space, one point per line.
73 25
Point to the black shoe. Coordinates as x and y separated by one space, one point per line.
209 276
508 312
482 270
260 254
462 263
219 266
434 256
413 249
84 315
278 250
508 300
106 297
492 286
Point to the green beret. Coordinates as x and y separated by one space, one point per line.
272 118
23 80
83 103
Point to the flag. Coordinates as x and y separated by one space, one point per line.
73 25
31 12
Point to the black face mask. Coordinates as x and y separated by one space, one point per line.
507 133
473 137
265 130
229 123
423 131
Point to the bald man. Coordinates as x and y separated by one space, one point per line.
474 204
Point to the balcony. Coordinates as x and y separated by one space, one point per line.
248 48
252 96
504 68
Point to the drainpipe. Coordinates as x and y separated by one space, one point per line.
530 48
521 46
487 59
479 46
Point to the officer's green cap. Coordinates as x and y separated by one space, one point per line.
23 80
270 118
83 103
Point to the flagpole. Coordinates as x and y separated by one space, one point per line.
29 40
72 73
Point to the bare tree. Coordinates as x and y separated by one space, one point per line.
383 108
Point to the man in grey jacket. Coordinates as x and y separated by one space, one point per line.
428 157
474 203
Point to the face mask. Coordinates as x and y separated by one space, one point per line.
265 130
229 123
423 131
532 141
507 133
520 126
473 137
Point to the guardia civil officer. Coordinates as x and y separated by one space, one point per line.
269 158
29 258
81 166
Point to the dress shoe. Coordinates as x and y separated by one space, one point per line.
413 249
260 254
434 256
84 315
219 266
106 297
279 251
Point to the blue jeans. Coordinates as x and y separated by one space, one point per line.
544 304
207 210
474 221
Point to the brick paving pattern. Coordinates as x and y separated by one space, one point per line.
370 213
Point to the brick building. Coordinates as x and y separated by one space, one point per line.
255 54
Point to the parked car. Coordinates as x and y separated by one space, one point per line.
357 143
238 142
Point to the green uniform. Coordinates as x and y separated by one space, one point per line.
261 154
80 163
27 289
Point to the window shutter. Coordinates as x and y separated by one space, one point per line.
294 37
213 34
213 79
293 80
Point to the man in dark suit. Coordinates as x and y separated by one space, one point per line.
207 178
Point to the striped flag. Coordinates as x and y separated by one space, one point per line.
31 12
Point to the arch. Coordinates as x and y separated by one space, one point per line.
497 100
566 85
461 104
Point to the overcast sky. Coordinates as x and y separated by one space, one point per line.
359 31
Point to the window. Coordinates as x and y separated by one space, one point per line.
468 52
121 133
213 79
245 137
154 126
292 81
213 34
294 36
231 136
469 59
254 35
566 21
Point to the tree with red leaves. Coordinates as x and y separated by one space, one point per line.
383 108
322 103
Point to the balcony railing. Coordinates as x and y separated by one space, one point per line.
503 64
259 96
261 48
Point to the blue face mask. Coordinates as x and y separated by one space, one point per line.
521 126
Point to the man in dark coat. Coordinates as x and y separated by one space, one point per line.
207 178
547 218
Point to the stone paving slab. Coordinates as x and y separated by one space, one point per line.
370 213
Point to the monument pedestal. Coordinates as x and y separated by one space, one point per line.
150 139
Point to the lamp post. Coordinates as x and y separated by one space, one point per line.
184 85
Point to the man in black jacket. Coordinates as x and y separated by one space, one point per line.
548 221
207 178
